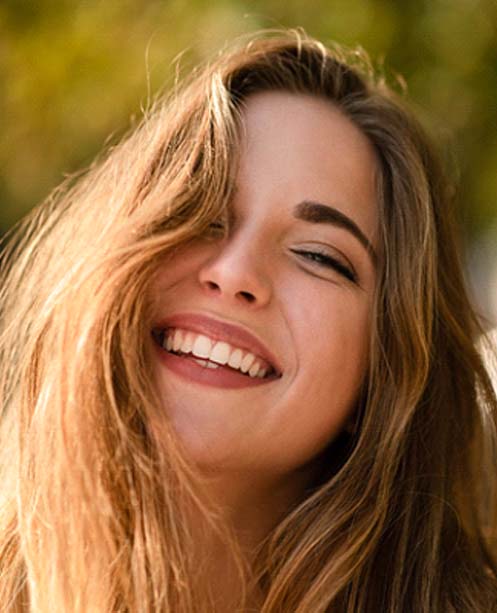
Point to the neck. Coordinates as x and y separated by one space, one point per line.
252 507
253 504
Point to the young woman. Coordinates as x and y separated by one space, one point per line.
238 362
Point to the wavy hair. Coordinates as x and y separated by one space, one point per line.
97 509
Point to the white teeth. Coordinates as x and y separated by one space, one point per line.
202 346
247 362
177 340
254 369
212 353
206 363
187 344
235 358
220 353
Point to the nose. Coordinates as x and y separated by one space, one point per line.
236 272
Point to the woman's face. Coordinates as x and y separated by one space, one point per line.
290 287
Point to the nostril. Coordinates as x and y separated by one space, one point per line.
248 296
212 285
244 295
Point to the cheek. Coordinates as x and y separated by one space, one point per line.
175 271
332 341
335 346
331 325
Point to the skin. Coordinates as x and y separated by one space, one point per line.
259 444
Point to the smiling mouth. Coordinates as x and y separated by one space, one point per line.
213 354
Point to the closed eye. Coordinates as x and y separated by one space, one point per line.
216 230
326 260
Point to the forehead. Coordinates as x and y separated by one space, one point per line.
299 147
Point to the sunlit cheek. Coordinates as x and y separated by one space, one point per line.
184 262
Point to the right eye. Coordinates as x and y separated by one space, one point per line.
221 224
215 230
216 225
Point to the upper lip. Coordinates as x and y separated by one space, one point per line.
220 330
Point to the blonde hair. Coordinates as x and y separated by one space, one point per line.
97 508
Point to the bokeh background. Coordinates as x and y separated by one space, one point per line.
76 74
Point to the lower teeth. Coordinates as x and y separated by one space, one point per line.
206 363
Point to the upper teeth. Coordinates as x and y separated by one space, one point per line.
219 352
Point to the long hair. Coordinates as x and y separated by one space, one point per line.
97 509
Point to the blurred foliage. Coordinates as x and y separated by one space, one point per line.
75 74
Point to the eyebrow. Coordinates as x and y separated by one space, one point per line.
315 212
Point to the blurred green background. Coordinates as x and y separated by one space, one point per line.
76 74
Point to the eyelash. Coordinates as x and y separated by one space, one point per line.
215 230
323 259
217 225
320 258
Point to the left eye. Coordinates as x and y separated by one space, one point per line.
326 260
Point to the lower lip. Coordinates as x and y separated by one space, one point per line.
225 377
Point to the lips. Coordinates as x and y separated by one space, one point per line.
218 330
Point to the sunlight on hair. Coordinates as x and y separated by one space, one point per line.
100 512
